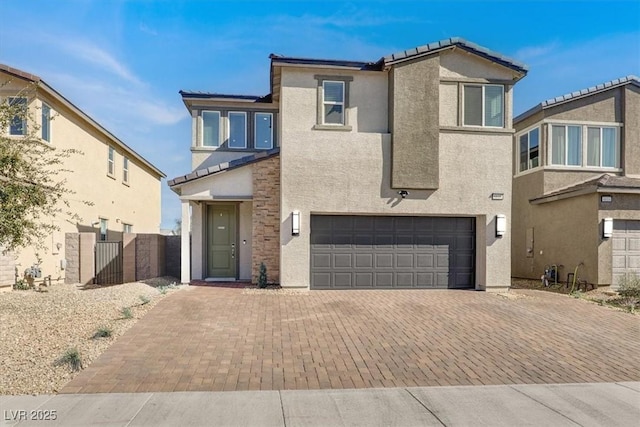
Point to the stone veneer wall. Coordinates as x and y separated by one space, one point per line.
149 256
7 269
265 241
72 255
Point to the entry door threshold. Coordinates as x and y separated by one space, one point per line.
220 279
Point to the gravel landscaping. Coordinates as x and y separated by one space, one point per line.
38 328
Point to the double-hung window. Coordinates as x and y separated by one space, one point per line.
18 124
125 170
45 128
263 138
237 129
333 97
483 105
111 167
127 228
566 145
602 147
210 128
530 149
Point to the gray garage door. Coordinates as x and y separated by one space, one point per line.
365 252
626 249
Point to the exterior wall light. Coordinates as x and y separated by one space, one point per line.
295 223
501 225
607 228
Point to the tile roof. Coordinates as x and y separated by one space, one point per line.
456 42
360 65
600 183
222 167
54 93
630 79
213 95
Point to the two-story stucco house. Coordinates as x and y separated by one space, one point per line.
122 187
576 185
356 175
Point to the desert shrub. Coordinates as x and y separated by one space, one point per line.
144 299
629 286
72 358
262 276
126 312
103 332
21 285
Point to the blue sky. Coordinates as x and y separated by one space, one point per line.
124 61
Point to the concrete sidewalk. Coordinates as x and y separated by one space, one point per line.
593 404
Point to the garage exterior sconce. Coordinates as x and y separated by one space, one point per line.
295 223
607 228
501 225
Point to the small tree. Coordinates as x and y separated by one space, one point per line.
33 189
262 277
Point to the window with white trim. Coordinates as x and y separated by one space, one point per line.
111 166
589 146
237 131
529 149
125 170
18 124
263 129
211 128
483 105
602 147
45 128
333 100
127 228
566 145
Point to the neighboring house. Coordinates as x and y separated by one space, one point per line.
123 187
386 174
576 185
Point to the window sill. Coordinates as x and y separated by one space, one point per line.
111 176
126 183
339 128
476 129
226 149
581 168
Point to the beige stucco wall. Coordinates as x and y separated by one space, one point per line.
415 116
137 204
202 158
631 131
448 104
458 64
623 206
234 186
349 173
601 107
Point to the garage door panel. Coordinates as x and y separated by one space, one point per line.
342 261
405 280
364 260
364 280
392 252
384 280
404 261
383 260
625 257
425 260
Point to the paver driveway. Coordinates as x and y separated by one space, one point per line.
211 338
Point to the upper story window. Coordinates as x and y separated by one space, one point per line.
585 146
483 105
18 125
263 131
333 102
111 165
602 147
127 228
125 170
529 149
211 128
45 128
566 145
237 129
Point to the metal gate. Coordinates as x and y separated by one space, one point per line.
108 263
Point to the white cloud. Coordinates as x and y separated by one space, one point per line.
90 53
531 52
146 29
